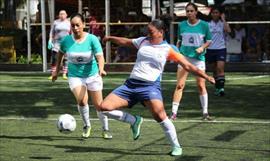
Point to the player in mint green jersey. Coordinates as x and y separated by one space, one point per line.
83 51
193 38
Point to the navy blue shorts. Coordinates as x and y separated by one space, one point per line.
135 91
214 55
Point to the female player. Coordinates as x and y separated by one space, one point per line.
195 37
83 52
216 52
143 85
59 29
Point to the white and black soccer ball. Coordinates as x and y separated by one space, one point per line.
66 123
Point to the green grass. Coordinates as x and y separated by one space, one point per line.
30 104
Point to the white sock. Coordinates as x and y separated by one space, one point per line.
121 116
84 112
175 106
170 132
204 103
104 120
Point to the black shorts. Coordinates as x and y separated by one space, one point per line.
214 55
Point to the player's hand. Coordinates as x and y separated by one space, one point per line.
50 44
102 73
54 76
222 16
199 50
211 80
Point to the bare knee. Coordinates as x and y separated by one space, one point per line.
104 106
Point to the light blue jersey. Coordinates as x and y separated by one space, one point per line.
81 55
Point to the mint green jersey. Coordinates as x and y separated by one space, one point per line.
192 37
81 55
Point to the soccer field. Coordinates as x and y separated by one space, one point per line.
30 105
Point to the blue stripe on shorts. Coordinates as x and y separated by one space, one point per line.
135 91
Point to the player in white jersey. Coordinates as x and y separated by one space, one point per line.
195 37
143 85
216 52
83 51
59 29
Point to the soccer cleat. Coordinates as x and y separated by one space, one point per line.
206 117
50 77
65 76
136 127
106 134
86 131
176 151
220 92
173 116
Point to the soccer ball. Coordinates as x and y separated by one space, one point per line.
66 123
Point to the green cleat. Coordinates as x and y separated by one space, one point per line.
136 127
106 134
220 92
176 151
86 131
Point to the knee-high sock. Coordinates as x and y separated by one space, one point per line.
121 116
175 106
84 112
220 81
104 120
170 132
204 103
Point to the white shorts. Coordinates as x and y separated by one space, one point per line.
93 83
197 63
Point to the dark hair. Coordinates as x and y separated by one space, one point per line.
77 15
193 5
159 24
219 9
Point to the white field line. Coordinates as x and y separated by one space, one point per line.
146 120
115 80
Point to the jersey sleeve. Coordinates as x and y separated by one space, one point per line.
208 35
96 46
63 42
174 54
137 42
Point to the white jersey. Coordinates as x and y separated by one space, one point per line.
218 35
151 59
59 30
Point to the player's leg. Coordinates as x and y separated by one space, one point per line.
53 62
178 92
203 96
113 102
96 97
64 67
220 78
220 74
79 90
157 109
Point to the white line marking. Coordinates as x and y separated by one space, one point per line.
147 120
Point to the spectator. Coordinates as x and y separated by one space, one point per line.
253 45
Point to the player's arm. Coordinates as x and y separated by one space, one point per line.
203 47
180 59
101 62
119 41
227 28
58 63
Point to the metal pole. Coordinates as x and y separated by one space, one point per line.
80 6
28 32
171 24
43 29
154 9
107 26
